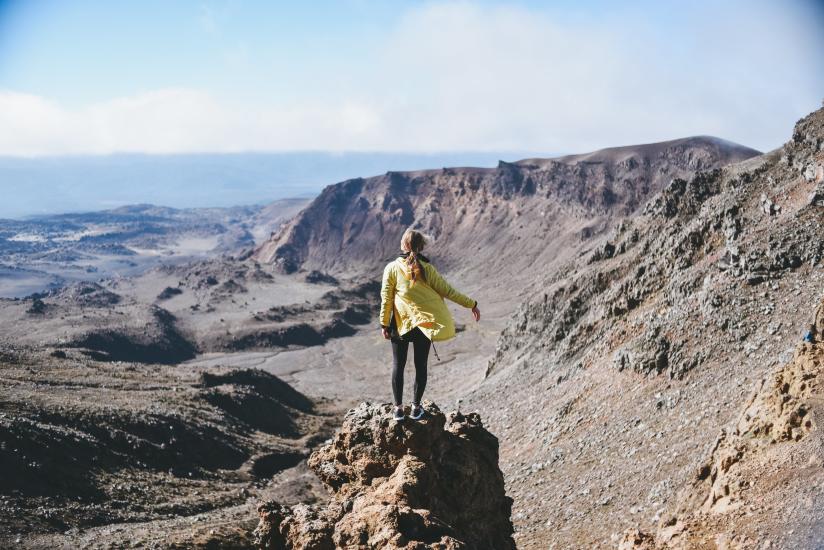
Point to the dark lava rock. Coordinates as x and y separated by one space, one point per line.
37 307
318 277
158 342
169 292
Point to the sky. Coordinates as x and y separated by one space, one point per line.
96 77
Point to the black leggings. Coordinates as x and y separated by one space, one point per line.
400 347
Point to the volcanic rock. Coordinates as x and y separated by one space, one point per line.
433 483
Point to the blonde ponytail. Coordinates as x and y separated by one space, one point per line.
414 242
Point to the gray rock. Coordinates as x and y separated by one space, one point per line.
814 172
768 206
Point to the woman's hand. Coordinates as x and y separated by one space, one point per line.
385 332
476 313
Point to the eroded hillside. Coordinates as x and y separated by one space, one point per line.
760 484
87 445
620 372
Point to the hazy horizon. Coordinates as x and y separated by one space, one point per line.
80 183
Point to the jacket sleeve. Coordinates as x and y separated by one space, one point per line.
439 285
387 295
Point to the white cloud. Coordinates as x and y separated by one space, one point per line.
173 120
508 78
458 76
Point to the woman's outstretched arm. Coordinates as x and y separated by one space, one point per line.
439 285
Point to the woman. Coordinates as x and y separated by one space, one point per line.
413 310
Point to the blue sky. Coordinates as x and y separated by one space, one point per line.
185 76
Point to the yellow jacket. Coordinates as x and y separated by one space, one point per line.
419 304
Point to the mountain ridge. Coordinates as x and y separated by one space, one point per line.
466 209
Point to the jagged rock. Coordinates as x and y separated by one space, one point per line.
756 278
169 292
817 196
37 307
412 485
768 206
648 354
603 252
88 294
814 172
319 277
731 224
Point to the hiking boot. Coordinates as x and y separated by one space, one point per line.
398 414
417 412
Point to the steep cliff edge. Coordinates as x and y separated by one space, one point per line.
759 485
411 485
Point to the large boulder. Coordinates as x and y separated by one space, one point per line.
433 483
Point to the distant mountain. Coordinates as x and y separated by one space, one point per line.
502 219
52 185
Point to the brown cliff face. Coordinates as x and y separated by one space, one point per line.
433 483
526 210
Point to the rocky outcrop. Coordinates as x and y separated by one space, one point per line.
87 294
757 475
804 154
433 483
